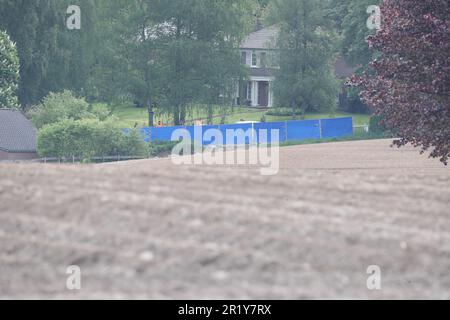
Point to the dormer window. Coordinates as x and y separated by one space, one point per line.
254 59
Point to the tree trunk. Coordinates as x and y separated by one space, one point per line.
176 116
210 114
183 115
294 108
303 110
151 113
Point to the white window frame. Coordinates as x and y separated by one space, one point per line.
254 59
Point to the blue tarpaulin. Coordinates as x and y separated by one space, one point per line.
254 132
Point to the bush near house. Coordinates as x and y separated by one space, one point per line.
65 105
283 112
88 138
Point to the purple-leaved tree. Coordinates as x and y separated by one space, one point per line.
408 85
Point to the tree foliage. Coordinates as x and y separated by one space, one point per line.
409 84
32 24
198 51
305 79
62 106
88 138
171 55
9 72
350 21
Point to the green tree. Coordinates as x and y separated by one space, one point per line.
350 22
9 72
54 58
137 49
198 53
355 32
126 68
305 80
77 52
33 25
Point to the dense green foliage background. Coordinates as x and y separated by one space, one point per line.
9 72
167 57
163 54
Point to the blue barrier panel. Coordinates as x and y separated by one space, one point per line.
288 131
337 128
303 130
146 134
163 133
212 137
197 134
232 130
266 137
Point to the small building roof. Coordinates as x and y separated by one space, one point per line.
17 133
261 39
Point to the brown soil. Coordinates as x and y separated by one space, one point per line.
150 229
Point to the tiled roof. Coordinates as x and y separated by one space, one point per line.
262 39
17 133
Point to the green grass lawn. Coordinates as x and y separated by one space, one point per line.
358 119
129 116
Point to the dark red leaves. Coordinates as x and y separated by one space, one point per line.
409 85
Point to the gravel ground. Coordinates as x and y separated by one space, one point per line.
151 229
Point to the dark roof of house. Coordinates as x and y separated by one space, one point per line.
261 39
17 133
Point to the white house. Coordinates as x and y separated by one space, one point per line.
258 52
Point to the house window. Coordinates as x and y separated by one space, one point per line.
244 57
249 90
263 60
254 59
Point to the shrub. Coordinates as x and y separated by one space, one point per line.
88 138
100 111
62 106
282 112
164 148
159 148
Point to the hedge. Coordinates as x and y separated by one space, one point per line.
89 138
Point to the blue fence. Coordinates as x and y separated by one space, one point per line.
255 132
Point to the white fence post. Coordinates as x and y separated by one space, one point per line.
286 131
320 128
